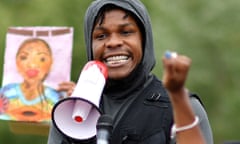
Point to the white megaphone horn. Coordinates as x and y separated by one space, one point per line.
76 116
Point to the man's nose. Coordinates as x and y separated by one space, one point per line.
114 41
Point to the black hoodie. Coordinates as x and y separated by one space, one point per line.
121 97
140 116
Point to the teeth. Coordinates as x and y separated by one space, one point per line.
116 59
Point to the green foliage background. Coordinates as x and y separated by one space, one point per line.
205 30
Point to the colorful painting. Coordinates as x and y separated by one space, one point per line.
36 60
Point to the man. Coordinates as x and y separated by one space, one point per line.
119 34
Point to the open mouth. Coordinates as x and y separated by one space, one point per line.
117 60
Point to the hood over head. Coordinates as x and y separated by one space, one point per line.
138 9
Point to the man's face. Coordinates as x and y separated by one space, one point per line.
117 42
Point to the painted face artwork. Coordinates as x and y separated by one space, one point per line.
32 72
34 60
26 101
117 41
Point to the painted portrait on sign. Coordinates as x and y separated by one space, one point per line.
32 71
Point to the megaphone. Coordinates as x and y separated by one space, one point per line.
76 116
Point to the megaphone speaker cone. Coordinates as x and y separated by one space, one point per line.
63 121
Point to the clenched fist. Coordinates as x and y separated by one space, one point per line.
175 71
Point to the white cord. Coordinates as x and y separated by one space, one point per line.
183 128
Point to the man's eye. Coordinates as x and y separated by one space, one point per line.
126 32
101 36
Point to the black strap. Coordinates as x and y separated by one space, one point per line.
197 97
